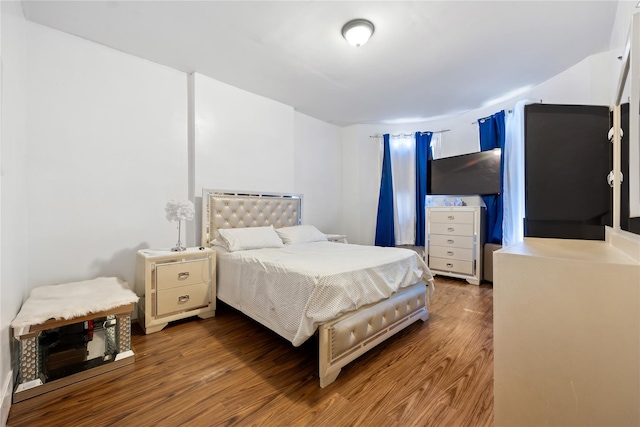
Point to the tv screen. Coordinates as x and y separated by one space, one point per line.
468 174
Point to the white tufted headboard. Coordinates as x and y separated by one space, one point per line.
229 209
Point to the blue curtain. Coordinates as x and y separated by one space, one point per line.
492 132
385 232
423 143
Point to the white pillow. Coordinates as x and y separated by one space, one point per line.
240 239
300 234
220 243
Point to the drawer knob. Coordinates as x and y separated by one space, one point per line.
450 253
451 229
183 298
449 265
183 275
450 241
451 217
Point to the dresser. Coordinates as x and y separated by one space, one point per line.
454 241
174 285
567 332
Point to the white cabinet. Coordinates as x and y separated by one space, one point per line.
454 241
567 332
175 285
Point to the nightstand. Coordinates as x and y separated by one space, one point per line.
338 238
175 285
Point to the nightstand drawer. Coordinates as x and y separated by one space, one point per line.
180 274
452 253
465 217
451 229
451 265
451 241
182 299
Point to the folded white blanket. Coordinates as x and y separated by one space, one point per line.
69 300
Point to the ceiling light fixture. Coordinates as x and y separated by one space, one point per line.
357 32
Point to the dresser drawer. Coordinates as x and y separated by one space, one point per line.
182 298
451 229
452 253
465 217
178 274
451 241
451 265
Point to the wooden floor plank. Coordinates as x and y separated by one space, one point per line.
231 371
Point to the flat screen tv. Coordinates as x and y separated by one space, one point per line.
468 174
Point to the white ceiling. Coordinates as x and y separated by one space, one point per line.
425 59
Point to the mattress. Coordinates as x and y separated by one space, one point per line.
293 289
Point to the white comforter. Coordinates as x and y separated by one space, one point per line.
294 289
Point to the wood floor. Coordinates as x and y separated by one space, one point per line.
230 371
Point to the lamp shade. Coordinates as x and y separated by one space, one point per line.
357 32
179 210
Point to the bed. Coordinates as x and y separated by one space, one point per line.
299 284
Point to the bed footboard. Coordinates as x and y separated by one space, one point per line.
348 337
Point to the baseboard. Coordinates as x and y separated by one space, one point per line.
6 399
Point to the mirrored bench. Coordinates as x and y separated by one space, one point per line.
71 332
57 353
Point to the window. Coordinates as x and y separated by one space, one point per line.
403 170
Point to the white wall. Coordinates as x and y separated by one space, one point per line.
318 172
242 142
588 82
246 142
618 42
351 204
13 179
107 148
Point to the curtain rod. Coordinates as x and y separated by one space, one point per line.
488 117
379 135
509 111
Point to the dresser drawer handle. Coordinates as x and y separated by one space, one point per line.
449 265
183 275
451 217
183 298
450 241
450 229
450 253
